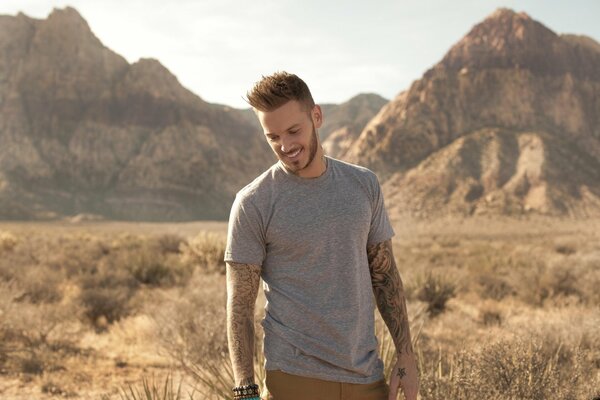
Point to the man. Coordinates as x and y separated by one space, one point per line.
316 230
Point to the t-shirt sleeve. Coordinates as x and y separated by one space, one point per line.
381 228
245 234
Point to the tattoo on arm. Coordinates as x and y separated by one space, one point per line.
242 289
401 372
389 294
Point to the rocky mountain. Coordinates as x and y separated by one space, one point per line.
342 123
84 131
507 122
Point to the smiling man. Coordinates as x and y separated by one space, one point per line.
315 229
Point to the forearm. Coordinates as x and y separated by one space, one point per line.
389 295
242 289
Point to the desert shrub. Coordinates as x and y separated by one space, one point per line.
75 254
535 369
490 313
191 327
435 290
493 287
149 261
148 266
541 283
589 280
41 285
169 243
205 251
152 390
8 241
105 295
33 336
565 248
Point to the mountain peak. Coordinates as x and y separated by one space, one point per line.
66 14
503 13
507 40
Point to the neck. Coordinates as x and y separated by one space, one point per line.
316 168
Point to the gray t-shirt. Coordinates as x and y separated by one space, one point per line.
310 236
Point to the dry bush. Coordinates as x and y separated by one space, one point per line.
75 254
151 261
545 282
105 295
490 313
535 369
566 248
494 287
588 282
435 290
205 251
153 390
34 337
191 326
8 241
41 285
169 242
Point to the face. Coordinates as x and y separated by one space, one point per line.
291 132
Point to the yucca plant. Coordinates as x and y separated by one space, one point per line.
152 391
214 379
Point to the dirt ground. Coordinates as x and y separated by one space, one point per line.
102 364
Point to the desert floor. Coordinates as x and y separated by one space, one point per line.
530 286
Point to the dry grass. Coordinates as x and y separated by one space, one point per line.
500 310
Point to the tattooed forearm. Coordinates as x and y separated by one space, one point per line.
242 289
389 294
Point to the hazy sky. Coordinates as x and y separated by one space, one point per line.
219 48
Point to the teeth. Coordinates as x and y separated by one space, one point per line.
294 154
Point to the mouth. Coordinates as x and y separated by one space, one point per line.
294 154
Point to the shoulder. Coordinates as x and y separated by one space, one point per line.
259 184
363 174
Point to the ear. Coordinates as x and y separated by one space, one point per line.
317 116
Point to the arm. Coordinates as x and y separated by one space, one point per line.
391 302
242 289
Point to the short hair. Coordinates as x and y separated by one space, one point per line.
273 91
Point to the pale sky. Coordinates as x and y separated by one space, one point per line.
219 48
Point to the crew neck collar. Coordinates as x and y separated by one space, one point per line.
302 180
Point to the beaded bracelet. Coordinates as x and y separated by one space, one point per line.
246 392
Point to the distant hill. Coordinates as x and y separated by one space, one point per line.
84 131
508 122
342 123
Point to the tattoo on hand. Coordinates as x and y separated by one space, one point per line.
401 372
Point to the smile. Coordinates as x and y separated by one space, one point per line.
294 154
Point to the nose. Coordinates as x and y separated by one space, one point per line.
286 144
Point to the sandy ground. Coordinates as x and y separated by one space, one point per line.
108 362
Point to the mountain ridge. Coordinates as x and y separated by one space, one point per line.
496 76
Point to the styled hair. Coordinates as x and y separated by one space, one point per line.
273 91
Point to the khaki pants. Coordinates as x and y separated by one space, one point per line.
282 386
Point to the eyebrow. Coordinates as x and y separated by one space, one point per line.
297 125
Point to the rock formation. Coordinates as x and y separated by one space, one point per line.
507 122
84 131
344 122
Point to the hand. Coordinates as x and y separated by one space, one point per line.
405 376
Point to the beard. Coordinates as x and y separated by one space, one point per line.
295 166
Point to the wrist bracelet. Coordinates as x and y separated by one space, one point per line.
246 392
